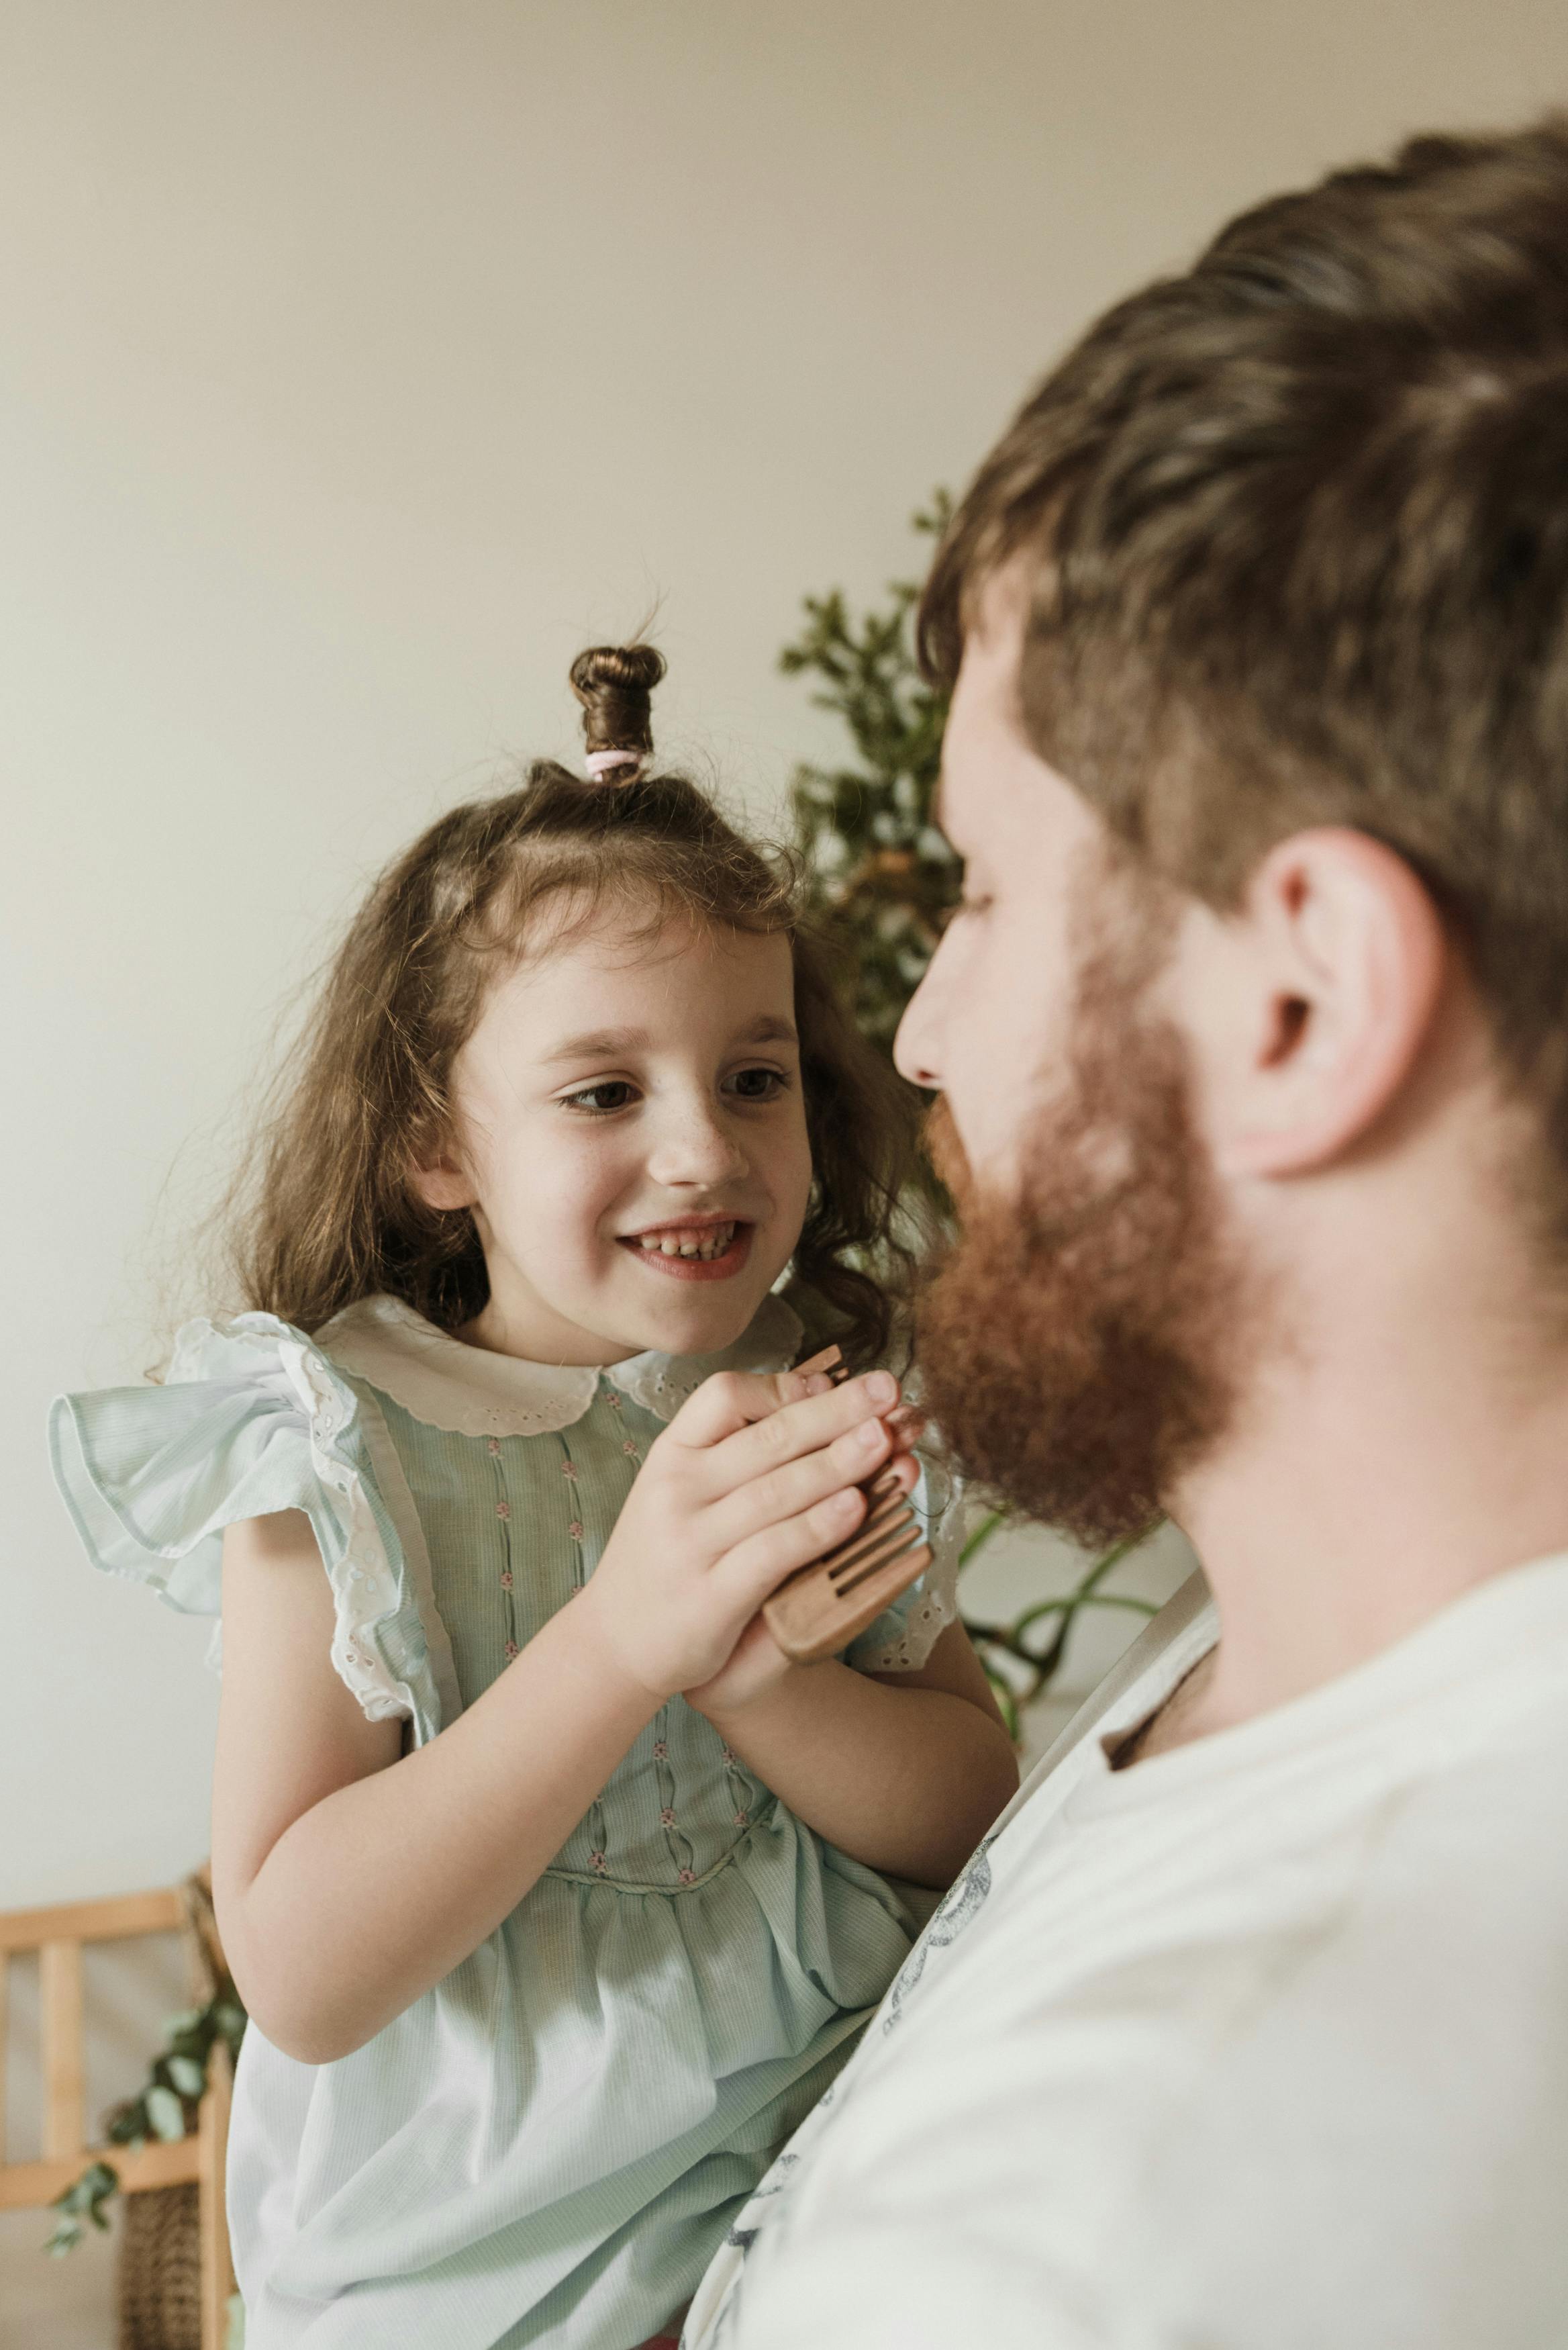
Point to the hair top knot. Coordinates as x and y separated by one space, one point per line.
615 686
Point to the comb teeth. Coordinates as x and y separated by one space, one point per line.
885 1535
889 1527
888 1505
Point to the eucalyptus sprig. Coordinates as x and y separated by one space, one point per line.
165 2109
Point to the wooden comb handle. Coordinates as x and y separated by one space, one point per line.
829 1603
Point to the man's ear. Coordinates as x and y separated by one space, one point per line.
1346 955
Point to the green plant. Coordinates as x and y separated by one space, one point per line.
165 2109
1022 1659
881 876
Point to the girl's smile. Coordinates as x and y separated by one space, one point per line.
698 1248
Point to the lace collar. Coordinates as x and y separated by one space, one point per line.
470 1392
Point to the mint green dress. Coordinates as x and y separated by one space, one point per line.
548 2145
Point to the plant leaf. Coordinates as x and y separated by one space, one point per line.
165 2112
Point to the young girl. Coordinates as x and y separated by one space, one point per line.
556 1895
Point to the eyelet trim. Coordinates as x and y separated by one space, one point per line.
368 1585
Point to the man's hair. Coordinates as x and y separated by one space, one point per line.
1296 526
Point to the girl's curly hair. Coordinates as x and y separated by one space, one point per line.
330 1214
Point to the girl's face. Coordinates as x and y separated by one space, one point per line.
630 1135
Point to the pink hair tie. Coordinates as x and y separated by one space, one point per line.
599 764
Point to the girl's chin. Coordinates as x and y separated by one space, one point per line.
689 1317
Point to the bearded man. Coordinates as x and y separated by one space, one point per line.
1249 2028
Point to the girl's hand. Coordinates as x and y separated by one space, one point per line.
754 1478
756 1665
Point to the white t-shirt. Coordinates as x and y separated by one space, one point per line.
1258 2044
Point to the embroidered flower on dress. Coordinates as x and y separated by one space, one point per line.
742 1819
511 1647
575 1530
667 1816
494 1446
686 1875
506 1579
598 1863
660 1750
629 1447
727 1752
570 1468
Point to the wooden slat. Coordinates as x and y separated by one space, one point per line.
26 2185
217 2269
93 1921
60 2035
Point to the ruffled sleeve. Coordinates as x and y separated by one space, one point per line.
251 1419
904 1635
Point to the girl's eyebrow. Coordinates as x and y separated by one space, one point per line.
606 1043
770 1031
597 1043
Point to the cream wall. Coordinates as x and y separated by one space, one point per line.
360 362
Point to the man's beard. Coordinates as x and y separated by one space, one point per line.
1081 1347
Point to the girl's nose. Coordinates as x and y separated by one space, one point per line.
696 1147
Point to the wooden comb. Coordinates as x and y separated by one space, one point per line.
826 1605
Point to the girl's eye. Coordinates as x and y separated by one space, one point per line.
599 1100
758 1085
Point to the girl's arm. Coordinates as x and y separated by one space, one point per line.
347 1881
902 1770
349 1878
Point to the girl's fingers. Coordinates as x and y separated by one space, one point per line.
785 1491
755 1568
734 1400
794 1429
909 1423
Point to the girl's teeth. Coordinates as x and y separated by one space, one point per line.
711 1246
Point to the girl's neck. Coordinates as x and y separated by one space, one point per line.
504 1326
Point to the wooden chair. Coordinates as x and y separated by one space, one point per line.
58 1935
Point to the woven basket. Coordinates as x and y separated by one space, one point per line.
161 2229
160 2270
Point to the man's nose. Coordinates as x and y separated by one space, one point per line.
695 1145
915 1052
